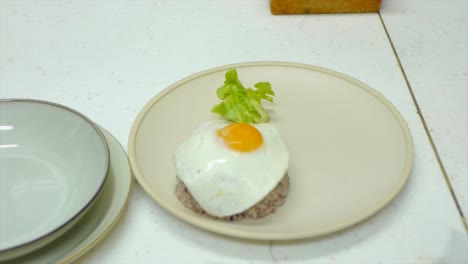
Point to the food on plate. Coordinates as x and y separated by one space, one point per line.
236 168
240 104
229 167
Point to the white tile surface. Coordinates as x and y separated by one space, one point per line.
431 39
108 58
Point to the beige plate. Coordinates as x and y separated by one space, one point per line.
99 220
351 150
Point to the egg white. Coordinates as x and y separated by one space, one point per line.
226 182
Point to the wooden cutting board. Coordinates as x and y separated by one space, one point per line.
279 7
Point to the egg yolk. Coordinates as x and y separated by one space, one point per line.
241 137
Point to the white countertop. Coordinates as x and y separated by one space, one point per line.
108 58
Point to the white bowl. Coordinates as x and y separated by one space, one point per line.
53 163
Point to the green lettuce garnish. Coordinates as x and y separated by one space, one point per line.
240 104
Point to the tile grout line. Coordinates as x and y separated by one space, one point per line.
423 121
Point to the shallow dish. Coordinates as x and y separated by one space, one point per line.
53 163
351 150
99 220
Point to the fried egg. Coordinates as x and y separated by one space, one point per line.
229 167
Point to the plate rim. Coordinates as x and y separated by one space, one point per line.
81 246
79 250
195 220
52 234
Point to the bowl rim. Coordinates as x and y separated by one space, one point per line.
101 184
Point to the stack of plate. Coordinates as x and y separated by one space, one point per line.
58 171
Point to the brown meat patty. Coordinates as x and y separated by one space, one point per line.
261 209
